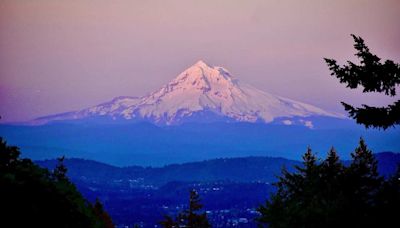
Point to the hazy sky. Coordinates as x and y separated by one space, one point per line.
57 56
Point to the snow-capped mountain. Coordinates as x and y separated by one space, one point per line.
202 91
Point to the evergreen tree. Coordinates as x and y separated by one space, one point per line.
191 217
388 201
194 219
329 194
330 189
102 214
169 222
294 204
60 171
332 167
373 76
31 196
362 185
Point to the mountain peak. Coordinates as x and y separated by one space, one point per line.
200 90
202 78
201 63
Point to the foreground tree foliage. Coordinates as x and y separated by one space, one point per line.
189 218
373 76
328 194
31 196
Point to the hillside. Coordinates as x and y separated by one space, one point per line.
230 189
242 170
247 169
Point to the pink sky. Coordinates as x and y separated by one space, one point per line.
58 56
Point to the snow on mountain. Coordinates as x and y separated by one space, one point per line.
200 88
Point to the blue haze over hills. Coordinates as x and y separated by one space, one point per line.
150 145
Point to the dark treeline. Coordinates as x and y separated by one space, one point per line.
31 196
326 193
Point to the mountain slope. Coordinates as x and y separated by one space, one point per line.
200 92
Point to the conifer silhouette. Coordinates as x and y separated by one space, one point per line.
372 76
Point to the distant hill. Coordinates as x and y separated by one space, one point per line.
230 188
245 170
388 162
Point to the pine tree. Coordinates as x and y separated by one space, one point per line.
373 76
362 185
102 215
388 201
191 217
329 194
363 171
194 219
295 202
60 171
332 165
169 222
31 196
